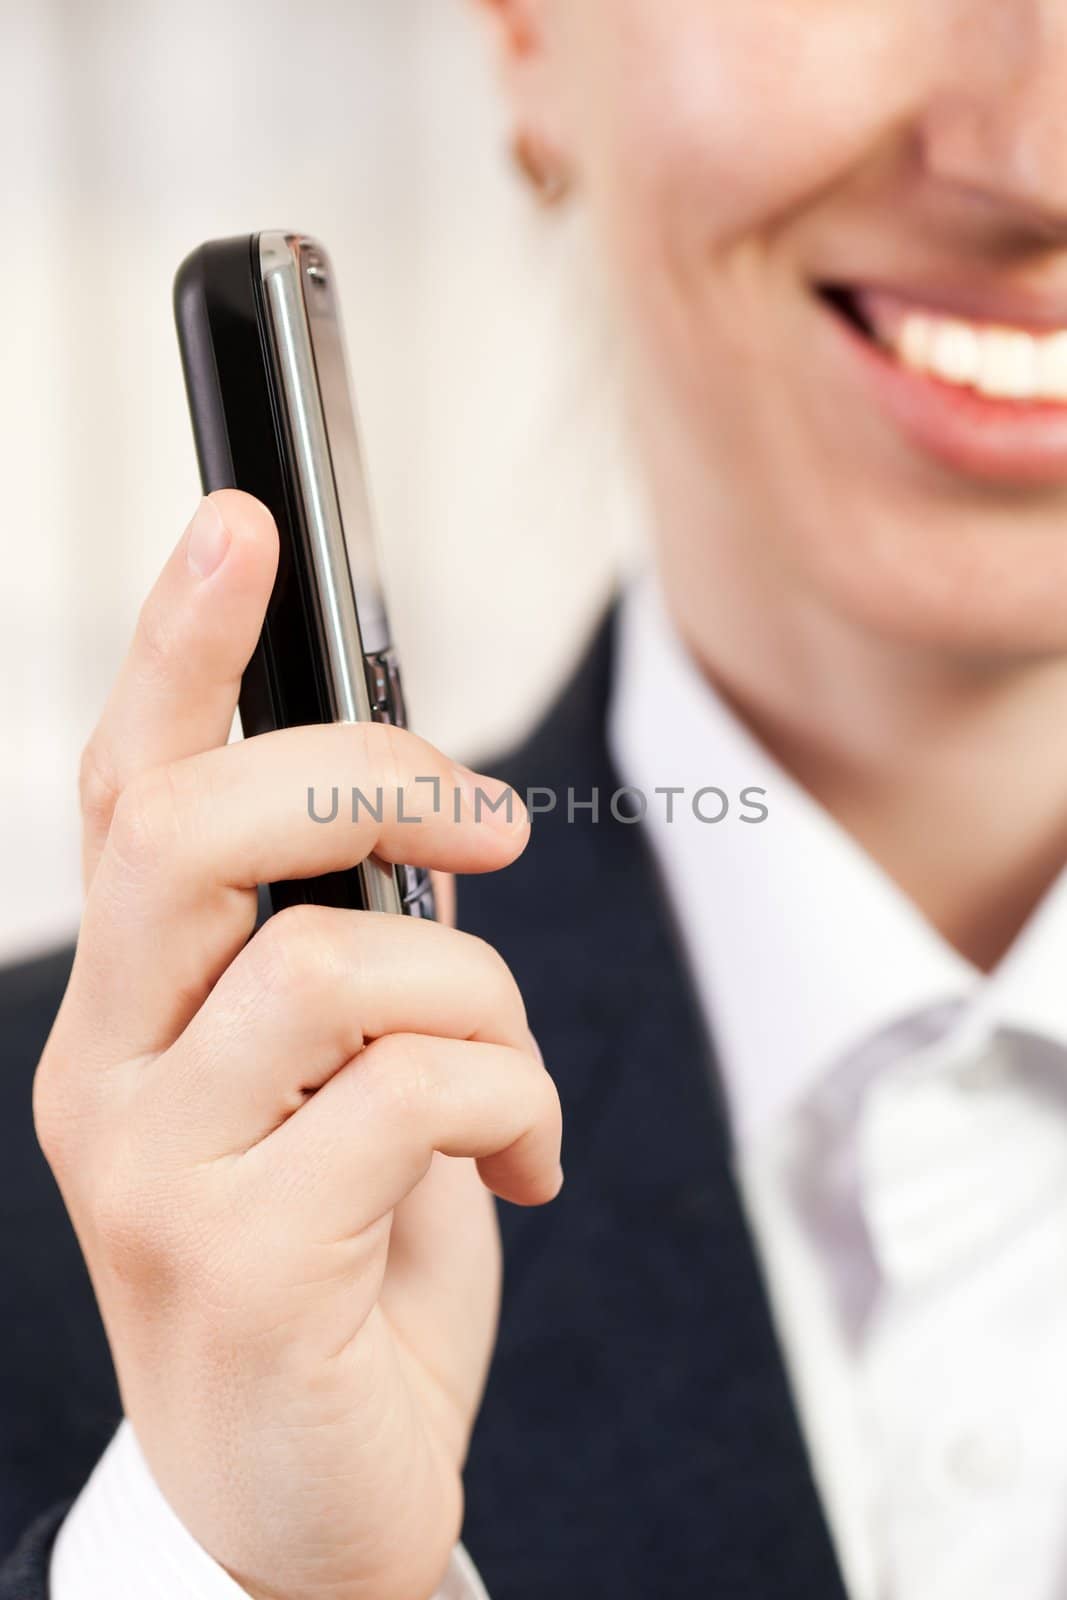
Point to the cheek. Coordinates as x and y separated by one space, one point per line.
701 124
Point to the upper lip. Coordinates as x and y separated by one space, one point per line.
997 304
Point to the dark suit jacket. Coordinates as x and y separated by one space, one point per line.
638 1439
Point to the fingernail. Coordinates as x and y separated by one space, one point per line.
489 800
207 541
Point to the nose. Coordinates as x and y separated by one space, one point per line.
996 128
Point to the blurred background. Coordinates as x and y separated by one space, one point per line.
131 132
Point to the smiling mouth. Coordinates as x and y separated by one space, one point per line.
998 361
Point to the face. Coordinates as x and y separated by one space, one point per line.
836 234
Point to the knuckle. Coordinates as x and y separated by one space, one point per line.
55 1118
113 1205
296 950
147 819
543 1109
98 786
139 1226
146 1226
496 972
382 754
156 642
395 758
394 746
551 1104
494 985
399 1081
68 1100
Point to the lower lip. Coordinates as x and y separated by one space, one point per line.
1000 441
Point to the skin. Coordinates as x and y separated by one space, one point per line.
895 631
278 1153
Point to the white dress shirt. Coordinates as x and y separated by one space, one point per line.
900 1128
122 1541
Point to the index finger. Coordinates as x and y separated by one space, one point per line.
173 900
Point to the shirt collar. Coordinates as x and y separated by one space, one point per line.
801 947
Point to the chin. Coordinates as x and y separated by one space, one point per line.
982 593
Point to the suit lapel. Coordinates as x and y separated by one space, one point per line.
638 1436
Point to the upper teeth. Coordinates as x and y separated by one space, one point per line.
1005 363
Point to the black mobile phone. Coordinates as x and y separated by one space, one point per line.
265 370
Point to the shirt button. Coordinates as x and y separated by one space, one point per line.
985 1460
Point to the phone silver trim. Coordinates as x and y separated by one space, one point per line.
308 350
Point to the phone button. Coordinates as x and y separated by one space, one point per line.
386 695
416 888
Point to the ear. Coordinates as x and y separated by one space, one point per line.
523 40
519 24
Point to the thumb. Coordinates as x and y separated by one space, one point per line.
177 690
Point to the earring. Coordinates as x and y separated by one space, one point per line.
550 182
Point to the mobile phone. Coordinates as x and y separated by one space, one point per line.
263 353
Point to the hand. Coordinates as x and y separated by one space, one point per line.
277 1151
